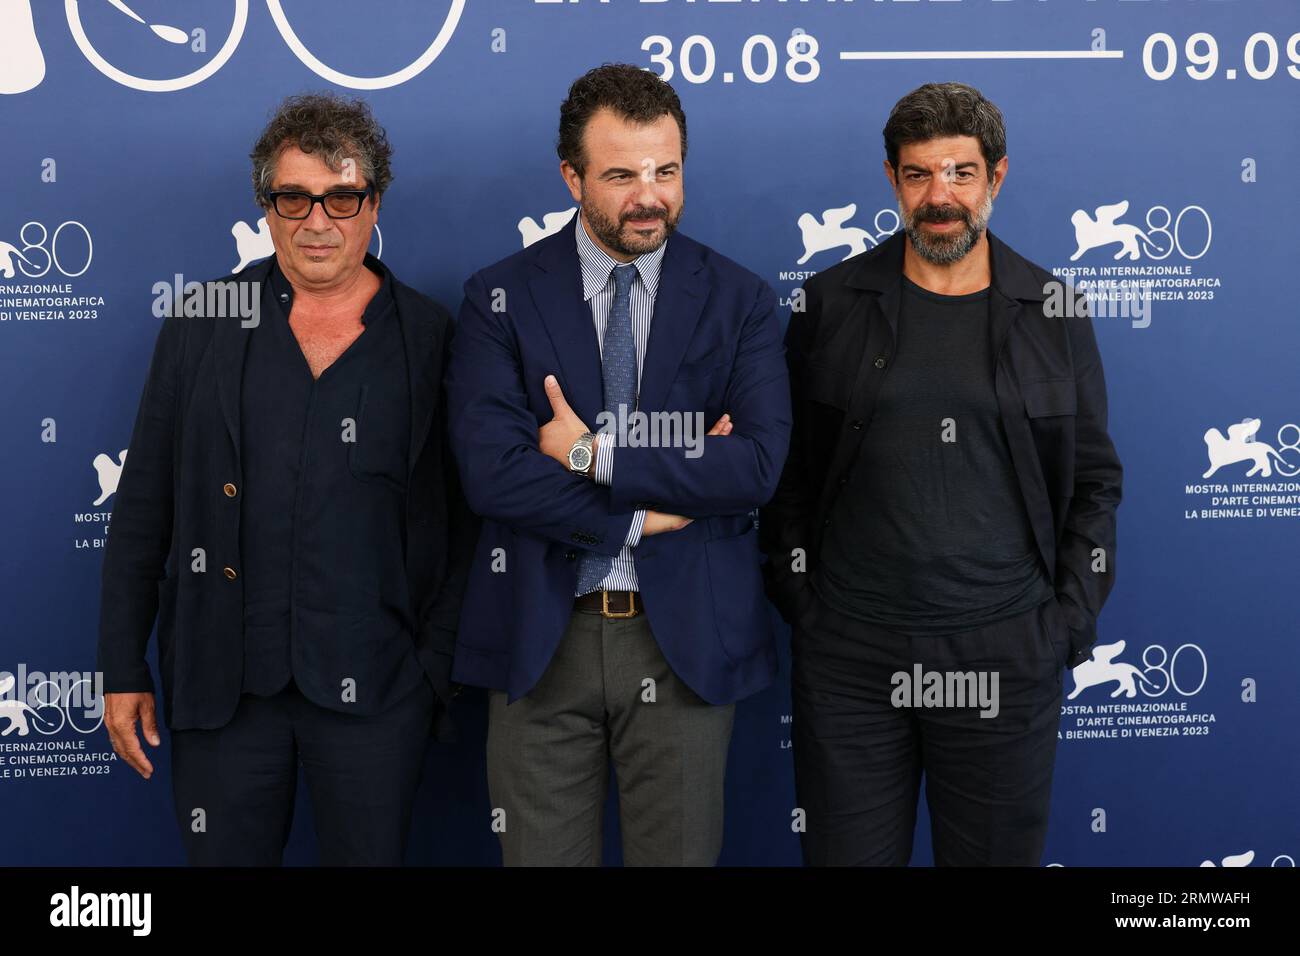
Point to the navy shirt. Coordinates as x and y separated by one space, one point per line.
323 520
931 535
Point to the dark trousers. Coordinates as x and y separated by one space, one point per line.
234 786
607 696
859 757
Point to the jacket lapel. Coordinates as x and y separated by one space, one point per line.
882 275
556 288
880 271
423 373
679 301
229 343
1011 284
1017 296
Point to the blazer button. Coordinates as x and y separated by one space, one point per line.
229 573
826 523
571 555
880 361
229 489
857 426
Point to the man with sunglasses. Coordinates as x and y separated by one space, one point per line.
289 514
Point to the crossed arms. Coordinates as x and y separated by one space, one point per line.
513 468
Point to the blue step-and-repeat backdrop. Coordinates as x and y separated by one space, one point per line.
1152 149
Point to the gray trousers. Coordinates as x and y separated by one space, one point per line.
608 694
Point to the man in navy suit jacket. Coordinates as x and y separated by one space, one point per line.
615 605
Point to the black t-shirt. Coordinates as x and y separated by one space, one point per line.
930 535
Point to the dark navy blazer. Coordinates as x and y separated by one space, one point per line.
715 346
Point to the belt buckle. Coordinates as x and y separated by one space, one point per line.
631 606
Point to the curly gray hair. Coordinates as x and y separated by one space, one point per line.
333 126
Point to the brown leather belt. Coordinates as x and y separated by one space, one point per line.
615 604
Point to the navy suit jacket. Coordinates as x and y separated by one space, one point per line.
715 346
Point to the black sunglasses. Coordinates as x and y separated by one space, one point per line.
338 204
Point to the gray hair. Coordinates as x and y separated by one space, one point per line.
335 127
946 109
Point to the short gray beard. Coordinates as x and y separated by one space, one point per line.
945 250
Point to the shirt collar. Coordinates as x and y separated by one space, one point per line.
282 289
1010 274
597 266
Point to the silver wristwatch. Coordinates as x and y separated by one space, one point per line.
582 454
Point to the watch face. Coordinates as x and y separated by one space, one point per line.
579 458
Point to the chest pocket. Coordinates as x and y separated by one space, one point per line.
1050 397
706 366
827 386
699 387
378 452
1051 406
